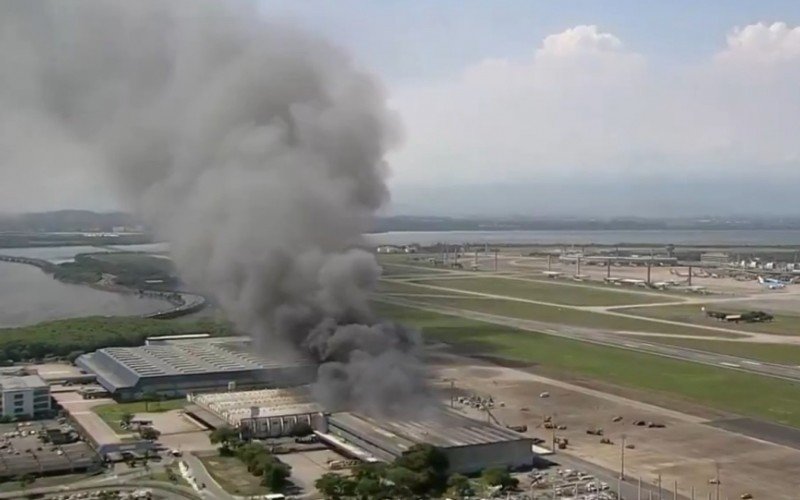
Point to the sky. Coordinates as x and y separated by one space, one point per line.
579 108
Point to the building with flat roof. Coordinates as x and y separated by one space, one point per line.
203 365
262 413
24 396
470 445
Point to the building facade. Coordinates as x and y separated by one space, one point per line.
24 397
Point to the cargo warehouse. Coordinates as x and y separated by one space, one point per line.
175 369
470 445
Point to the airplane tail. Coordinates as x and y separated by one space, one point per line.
761 279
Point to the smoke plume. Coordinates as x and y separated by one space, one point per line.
256 150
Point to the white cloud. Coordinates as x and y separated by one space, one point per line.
585 105
581 39
765 43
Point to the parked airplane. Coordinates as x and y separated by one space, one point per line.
771 283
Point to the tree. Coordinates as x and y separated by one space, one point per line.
276 475
146 460
429 463
420 457
227 437
126 419
406 483
26 480
498 476
458 486
374 470
334 486
173 478
368 488
149 433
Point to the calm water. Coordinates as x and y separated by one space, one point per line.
28 295
677 237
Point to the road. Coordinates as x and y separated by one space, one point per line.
607 338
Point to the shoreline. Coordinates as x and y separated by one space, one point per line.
183 303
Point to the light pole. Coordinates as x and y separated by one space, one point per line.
659 487
622 458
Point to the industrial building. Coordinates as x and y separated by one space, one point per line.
178 367
26 395
261 413
470 445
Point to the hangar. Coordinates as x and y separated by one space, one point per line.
177 368
470 445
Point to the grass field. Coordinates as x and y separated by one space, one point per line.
405 288
408 270
769 353
728 390
783 324
232 475
567 316
558 293
142 261
112 413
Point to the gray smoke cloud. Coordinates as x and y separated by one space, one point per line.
256 150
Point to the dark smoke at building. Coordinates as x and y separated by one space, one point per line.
256 150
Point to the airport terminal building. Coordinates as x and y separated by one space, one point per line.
177 368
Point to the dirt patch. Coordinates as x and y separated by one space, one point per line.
650 397
686 450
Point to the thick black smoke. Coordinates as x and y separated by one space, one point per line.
257 151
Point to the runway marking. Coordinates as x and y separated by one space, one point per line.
628 344
732 365
756 363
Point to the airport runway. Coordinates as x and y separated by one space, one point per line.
607 338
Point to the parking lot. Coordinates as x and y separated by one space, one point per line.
558 483
23 450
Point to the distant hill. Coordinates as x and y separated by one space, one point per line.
66 221
88 221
